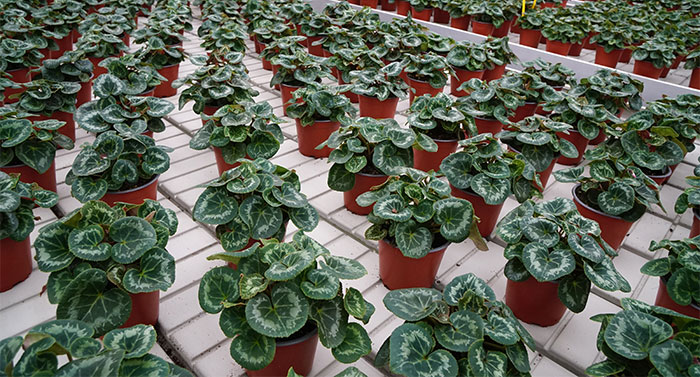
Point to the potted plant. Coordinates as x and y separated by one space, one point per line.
610 40
346 60
19 199
216 83
267 30
531 88
679 114
689 198
139 77
379 90
459 14
436 118
280 46
491 17
296 71
107 264
468 60
652 56
677 272
643 339
314 29
281 300
166 60
490 104
73 67
692 62
16 58
486 175
119 351
105 34
246 130
365 153
415 219
427 74
245 210
29 148
554 255
319 110
555 75
58 21
222 32
536 138
531 23
51 100
421 9
440 13
615 194
453 332
561 34
498 55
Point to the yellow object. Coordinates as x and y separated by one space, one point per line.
534 2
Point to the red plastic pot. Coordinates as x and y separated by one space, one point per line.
299 32
402 7
427 161
387 6
492 126
515 29
463 76
398 271
135 195
356 2
613 229
351 96
483 28
85 93
660 179
695 79
67 130
208 111
576 49
421 88
256 44
587 44
18 76
165 89
287 91
598 139
625 56
607 59
310 137
664 300
423 15
47 179
221 164
316 50
363 182
502 30
461 23
578 141
544 174
64 44
374 108
369 3
647 69
97 70
557 47
295 353
144 309
695 227
535 302
487 213
530 37
275 67
524 111
15 262
441 16
494 73
546 4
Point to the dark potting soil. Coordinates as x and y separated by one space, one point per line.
438 240
309 327
438 133
371 170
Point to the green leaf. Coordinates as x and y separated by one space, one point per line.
494 191
671 358
487 364
264 221
633 334
148 365
683 286
619 198
344 268
8 349
604 276
392 208
156 271
457 167
340 178
413 240
106 364
85 347
411 349
605 368
517 354
215 206
252 284
455 217
279 315
253 351
52 252
304 218
218 289
587 247
37 155
136 341
542 231
389 158
412 304
64 331
546 265
464 329
573 291
502 329
460 286
290 266
155 161
355 345
88 298
331 319
9 201
555 207
86 243
107 85
320 285
354 303
133 236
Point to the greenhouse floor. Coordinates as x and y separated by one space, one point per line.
193 339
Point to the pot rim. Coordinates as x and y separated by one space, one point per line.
692 304
377 98
371 175
433 250
291 342
663 175
135 188
17 69
696 212
586 206
486 119
467 70
171 65
21 165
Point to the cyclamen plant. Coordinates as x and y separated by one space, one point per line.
690 197
551 241
646 340
321 102
122 351
555 75
240 130
254 300
138 76
437 117
371 146
380 83
98 255
18 202
416 212
46 97
451 333
614 90
485 168
679 268
497 99
300 69
468 56
589 119
429 67
254 201
32 144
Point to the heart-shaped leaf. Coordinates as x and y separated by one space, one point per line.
86 243
545 264
355 344
279 315
464 329
156 272
331 319
218 289
133 236
633 334
411 349
136 341
412 304
215 206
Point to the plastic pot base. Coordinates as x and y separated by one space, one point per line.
535 302
398 271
